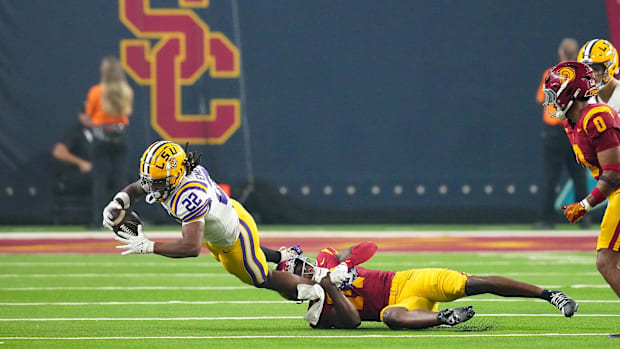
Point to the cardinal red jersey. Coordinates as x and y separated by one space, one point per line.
370 293
598 129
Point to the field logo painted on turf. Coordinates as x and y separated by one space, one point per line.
185 50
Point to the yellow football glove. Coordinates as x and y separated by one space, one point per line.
574 212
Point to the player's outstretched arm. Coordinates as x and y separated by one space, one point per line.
122 201
343 314
187 246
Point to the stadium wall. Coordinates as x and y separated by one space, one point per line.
314 112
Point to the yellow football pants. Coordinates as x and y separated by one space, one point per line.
425 288
244 258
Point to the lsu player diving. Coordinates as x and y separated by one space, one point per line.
174 179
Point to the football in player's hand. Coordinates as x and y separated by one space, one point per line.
126 221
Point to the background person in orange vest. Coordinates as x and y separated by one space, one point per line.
109 104
558 152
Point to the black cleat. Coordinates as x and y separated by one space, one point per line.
456 316
567 305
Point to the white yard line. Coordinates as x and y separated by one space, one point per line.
116 275
174 302
355 336
195 288
130 288
226 318
150 303
214 264
134 263
531 300
319 234
192 275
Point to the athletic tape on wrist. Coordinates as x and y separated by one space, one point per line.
123 199
586 205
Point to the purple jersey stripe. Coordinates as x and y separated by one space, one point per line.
245 261
252 251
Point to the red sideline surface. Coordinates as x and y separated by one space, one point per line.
310 244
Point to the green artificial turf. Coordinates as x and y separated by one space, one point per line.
102 301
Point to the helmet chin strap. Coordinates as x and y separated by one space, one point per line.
561 114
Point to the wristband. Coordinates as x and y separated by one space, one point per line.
611 167
149 246
598 196
123 199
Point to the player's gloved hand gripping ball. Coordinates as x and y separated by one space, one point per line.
138 244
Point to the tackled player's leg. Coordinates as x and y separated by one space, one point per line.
415 295
246 260
505 287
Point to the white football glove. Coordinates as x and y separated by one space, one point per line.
121 201
336 275
319 274
138 244
339 274
289 253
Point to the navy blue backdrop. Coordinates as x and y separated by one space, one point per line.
352 111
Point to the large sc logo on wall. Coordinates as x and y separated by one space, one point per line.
186 49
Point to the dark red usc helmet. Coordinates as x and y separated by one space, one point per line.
565 83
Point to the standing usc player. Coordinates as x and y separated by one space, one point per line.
594 132
174 179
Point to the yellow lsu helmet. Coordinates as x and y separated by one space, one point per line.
162 167
599 51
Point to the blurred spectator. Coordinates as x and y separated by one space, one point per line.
558 152
109 105
73 155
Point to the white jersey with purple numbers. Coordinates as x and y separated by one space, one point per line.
198 197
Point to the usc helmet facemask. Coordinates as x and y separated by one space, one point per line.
565 83
162 166
600 52
300 265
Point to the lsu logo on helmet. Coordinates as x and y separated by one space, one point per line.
162 167
600 52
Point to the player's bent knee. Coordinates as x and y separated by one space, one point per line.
605 261
393 317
